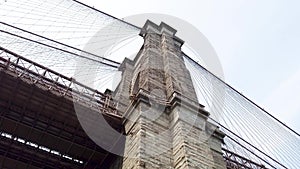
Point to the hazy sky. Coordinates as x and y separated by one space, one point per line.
257 43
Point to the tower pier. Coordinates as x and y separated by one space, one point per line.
165 125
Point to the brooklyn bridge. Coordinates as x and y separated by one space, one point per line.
66 100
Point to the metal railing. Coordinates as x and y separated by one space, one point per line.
56 82
235 161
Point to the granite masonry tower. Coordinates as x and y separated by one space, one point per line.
166 127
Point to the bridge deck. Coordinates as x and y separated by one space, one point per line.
39 127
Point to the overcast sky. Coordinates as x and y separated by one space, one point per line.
257 43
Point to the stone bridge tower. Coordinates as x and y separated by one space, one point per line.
165 125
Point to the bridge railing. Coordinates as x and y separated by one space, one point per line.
235 161
56 82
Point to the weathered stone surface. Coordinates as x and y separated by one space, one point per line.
165 126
